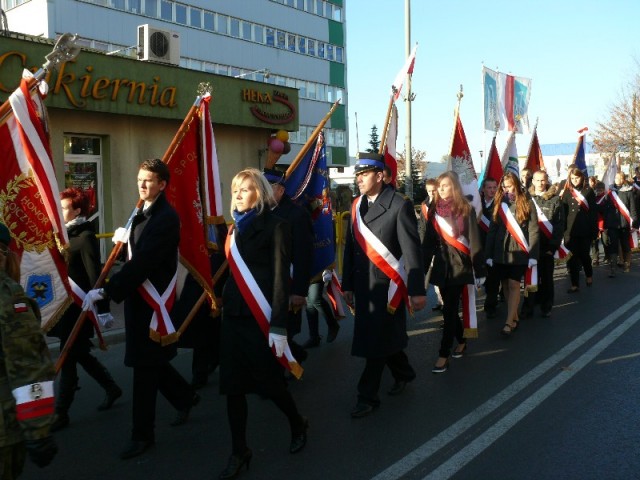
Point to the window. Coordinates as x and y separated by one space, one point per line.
258 33
339 94
208 21
330 136
339 54
311 47
319 7
209 67
310 6
246 30
289 3
281 39
235 27
300 4
195 17
339 138
301 85
311 90
291 41
270 37
322 92
280 80
223 70
329 52
321 49
134 6
234 72
151 8
196 64
166 10
222 24
181 14
337 13
291 82
117 4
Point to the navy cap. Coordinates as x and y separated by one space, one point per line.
5 236
369 161
273 176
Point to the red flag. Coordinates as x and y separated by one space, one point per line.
535 161
390 154
407 69
494 165
30 206
460 162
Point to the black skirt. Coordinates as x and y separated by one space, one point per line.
512 272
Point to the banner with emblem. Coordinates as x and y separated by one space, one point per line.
30 205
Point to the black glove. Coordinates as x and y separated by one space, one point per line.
42 451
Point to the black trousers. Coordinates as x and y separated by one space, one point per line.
545 294
452 323
580 257
147 382
369 383
491 289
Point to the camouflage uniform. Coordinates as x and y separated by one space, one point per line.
26 378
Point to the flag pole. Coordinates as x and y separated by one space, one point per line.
118 246
64 50
311 139
387 121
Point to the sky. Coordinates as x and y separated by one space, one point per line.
579 54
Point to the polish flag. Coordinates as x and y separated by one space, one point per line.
390 154
407 69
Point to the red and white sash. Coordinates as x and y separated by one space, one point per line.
78 298
382 258
334 292
34 400
484 222
256 301
510 222
546 227
461 243
624 211
580 199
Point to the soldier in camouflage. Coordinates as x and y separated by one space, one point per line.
26 374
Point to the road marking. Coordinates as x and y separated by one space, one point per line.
426 450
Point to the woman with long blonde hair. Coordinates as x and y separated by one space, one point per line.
452 241
512 242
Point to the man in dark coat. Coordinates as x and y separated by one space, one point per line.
153 255
492 283
381 336
301 256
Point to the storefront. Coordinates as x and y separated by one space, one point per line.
109 113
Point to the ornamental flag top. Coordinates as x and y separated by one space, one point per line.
506 101
510 156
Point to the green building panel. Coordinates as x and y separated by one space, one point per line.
339 156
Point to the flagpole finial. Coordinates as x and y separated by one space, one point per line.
64 50
204 88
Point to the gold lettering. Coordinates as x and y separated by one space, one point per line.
168 97
132 92
116 87
154 92
101 84
64 81
3 57
246 95
86 83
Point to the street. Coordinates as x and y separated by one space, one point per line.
556 400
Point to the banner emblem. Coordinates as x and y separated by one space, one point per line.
40 288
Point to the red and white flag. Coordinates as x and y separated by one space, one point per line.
506 101
535 161
407 69
30 205
390 154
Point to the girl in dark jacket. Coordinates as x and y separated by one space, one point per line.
452 240
512 242
579 202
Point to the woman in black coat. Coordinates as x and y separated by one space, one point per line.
504 252
84 269
247 362
579 203
452 240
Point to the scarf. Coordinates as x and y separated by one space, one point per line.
79 220
444 208
244 219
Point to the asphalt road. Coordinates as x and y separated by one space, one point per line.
557 400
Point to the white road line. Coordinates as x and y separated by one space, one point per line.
426 450
458 461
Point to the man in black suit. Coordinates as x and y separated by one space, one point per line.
301 256
379 335
153 255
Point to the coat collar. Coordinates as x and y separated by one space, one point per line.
381 205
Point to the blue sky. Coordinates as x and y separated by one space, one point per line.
579 55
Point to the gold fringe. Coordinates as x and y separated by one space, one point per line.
296 370
153 335
470 333
57 315
163 341
391 309
530 289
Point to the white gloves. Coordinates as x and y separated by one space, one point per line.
490 262
532 262
120 235
92 297
106 320
326 276
279 341
480 282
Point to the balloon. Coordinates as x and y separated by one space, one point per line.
282 135
276 146
287 148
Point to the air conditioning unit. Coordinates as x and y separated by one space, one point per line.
155 45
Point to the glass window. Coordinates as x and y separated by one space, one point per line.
322 92
134 6
235 27
117 4
281 39
331 93
195 17
166 10
311 47
337 13
319 7
339 55
209 67
223 70
222 24
181 14
321 49
301 85
259 77
339 138
329 156
291 82
151 8
327 10
208 21
310 6
246 30
330 136
289 3
280 80
291 41
339 94
329 51
258 33
234 72
102 46
302 45
300 4
270 37
311 90
196 64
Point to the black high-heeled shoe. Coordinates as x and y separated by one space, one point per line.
236 462
299 440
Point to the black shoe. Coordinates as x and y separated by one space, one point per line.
236 462
441 369
459 353
111 396
299 440
135 448
361 410
397 388
60 421
183 415
333 333
312 342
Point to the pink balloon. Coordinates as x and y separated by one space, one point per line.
287 148
276 146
